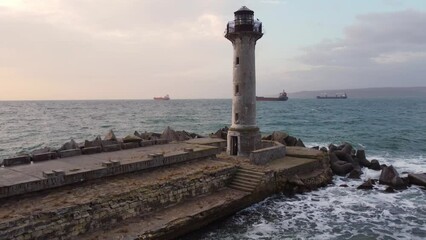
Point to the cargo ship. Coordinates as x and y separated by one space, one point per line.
281 97
162 98
337 96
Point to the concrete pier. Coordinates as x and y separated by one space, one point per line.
159 202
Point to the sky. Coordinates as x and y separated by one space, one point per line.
138 49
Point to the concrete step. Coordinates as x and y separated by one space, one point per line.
243 183
248 175
251 172
237 187
247 179
251 187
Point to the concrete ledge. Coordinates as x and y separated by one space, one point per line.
17 161
111 163
44 156
112 148
70 153
147 143
302 152
265 155
91 150
130 145
161 141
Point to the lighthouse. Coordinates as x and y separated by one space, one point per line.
243 32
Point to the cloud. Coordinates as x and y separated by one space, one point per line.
380 49
274 1
110 49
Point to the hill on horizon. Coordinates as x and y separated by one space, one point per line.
385 92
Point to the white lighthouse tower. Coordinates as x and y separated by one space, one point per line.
243 32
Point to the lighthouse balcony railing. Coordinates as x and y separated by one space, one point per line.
230 27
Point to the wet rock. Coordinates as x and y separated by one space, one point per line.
347 148
110 136
364 162
269 137
300 143
149 136
316 147
323 149
69 145
332 148
366 185
383 166
183 135
97 142
389 176
42 151
290 141
375 165
343 185
131 138
333 157
170 134
279 136
341 168
360 155
137 134
221 133
355 174
417 179
389 190
344 156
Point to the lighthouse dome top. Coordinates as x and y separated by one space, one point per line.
243 10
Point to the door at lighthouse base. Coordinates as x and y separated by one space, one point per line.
234 145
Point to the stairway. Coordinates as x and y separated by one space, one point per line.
246 179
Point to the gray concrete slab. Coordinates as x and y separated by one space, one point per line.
205 141
289 163
26 173
10 177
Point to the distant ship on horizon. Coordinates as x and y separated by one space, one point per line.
337 96
162 98
281 97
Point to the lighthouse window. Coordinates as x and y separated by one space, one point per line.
237 89
236 117
237 61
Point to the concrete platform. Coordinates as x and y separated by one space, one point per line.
304 152
26 178
216 142
290 163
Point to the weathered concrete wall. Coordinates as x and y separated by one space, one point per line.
69 222
265 155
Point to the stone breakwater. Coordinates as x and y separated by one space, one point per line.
151 192
349 162
109 143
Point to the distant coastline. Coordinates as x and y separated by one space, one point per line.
388 92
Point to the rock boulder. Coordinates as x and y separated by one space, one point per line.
389 176
417 179
375 165
110 136
70 145
366 185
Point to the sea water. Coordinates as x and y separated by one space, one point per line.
390 130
